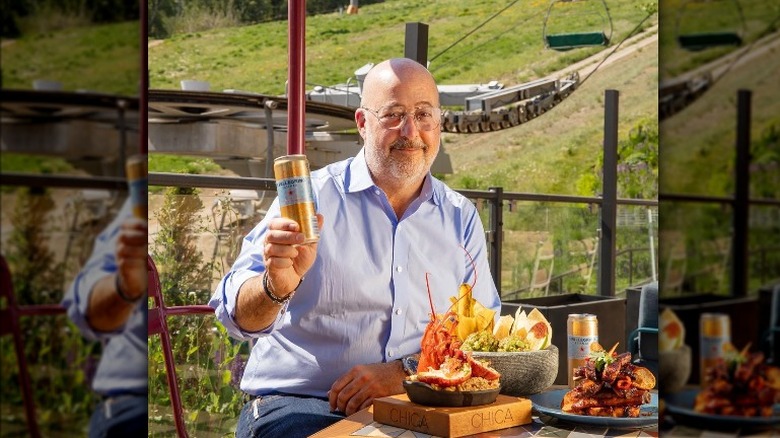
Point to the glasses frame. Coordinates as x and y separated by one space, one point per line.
406 115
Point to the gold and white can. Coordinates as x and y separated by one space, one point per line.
714 335
136 169
582 330
296 195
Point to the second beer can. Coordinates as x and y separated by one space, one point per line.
714 334
582 330
296 196
136 168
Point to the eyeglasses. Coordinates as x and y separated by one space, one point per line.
426 118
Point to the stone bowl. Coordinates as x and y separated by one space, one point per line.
523 372
674 369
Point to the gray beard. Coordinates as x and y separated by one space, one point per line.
397 169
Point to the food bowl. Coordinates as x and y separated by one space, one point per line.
523 372
674 369
424 394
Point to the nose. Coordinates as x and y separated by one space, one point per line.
409 127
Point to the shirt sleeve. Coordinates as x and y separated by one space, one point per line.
248 264
101 263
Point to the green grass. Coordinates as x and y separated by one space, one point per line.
548 154
181 164
103 58
13 162
254 58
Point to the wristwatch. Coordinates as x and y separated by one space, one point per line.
409 363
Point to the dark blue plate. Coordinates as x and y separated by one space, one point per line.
680 406
549 403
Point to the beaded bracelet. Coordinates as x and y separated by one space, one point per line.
273 297
122 294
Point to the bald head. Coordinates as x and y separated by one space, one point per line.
389 75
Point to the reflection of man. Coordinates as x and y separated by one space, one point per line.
106 301
331 341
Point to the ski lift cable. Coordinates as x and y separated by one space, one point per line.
479 46
617 46
745 51
474 30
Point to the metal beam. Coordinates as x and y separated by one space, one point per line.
416 43
607 254
739 276
495 234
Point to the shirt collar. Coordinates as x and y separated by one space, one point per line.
358 178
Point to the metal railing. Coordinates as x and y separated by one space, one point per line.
495 198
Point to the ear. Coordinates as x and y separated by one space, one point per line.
360 120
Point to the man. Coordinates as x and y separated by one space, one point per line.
106 301
334 318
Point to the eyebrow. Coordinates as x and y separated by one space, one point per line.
416 105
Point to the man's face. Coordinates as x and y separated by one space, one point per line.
406 152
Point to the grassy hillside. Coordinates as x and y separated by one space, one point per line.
546 155
509 48
103 58
682 17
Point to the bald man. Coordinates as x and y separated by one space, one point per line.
335 318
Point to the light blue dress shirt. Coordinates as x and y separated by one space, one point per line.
365 298
123 366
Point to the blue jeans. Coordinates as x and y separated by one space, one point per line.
284 416
121 416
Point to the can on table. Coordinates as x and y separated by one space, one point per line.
714 334
136 169
582 330
296 196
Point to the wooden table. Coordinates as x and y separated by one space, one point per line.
362 424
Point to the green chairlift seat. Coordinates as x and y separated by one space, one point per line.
695 33
568 41
701 41
574 36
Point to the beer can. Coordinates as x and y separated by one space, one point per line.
582 330
714 334
136 170
296 196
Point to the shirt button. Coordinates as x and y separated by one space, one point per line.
376 191
399 268
398 311
389 353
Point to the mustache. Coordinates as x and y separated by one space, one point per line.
407 144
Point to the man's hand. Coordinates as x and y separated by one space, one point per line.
358 388
106 310
286 262
131 253
286 259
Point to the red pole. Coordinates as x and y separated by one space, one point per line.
143 137
296 76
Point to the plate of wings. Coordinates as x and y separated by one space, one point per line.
681 406
549 403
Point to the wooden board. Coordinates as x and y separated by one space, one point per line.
505 412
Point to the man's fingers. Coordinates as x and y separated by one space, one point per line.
131 251
335 389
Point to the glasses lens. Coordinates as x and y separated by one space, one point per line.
427 118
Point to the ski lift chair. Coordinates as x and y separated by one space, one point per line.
643 341
701 39
563 41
